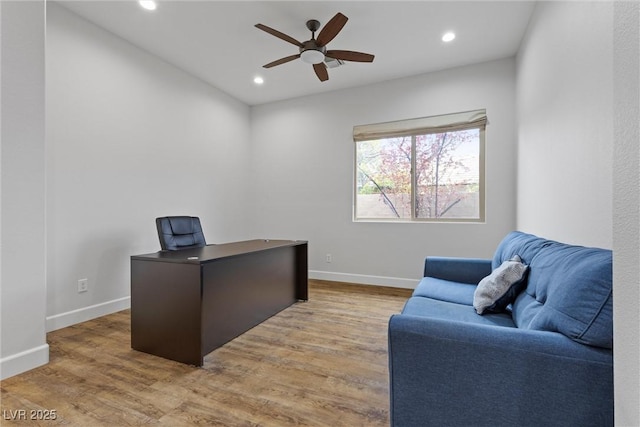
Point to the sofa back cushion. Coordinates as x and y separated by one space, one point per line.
569 288
526 246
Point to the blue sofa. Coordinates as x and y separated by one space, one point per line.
544 360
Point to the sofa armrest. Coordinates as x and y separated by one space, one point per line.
453 373
464 270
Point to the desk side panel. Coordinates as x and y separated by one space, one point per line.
241 292
165 310
302 271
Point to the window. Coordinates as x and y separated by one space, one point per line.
427 169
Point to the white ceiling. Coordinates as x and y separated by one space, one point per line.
217 42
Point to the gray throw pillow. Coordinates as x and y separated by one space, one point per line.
499 289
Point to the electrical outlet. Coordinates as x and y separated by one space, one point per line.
83 285
328 258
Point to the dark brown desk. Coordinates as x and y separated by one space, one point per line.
185 304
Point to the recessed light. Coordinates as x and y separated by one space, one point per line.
148 4
258 80
447 37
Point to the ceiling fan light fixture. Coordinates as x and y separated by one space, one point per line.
312 56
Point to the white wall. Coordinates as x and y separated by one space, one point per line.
22 335
129 138
565 123
304 165
578 102
626 208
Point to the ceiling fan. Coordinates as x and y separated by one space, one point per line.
314 51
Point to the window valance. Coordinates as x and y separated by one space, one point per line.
421 126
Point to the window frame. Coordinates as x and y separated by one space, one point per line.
414 127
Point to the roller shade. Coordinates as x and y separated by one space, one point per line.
421 126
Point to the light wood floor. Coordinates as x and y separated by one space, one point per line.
316 363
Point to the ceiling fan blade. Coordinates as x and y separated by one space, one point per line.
279 35
349 55
321 71
331 29
281 61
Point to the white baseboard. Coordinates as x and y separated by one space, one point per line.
24 361
80 315
362 279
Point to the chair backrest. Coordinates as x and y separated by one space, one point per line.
180 232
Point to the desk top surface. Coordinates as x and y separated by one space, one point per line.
213 252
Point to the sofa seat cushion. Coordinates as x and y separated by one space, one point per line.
445 290
569 289
438 309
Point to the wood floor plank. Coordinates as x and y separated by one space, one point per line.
317 363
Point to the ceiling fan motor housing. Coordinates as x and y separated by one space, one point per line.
310 52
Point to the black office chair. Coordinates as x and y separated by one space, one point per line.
180 232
